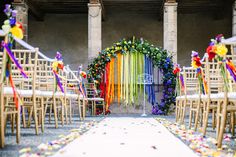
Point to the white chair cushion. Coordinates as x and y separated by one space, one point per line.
213 96
180 97
232 95
46 93
194 96
21 92
69 95
95 99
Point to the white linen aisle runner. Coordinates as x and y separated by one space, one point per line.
127 137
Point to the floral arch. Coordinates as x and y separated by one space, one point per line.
133 52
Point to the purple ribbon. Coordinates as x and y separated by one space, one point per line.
231 72
59 82
13 58
182 80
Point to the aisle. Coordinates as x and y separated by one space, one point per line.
125 136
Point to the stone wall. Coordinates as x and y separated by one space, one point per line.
69 33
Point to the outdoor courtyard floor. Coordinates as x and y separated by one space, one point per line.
119 135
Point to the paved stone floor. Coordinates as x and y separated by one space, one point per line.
36 143
32 141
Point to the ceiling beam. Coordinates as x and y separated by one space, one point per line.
37 13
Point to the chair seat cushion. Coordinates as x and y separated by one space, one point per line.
232 95
69 95
21 92
213 96
95 99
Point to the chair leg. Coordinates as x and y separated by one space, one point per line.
232 122
23 117
13 118
190 114
30 116
18 126
218 118
176 110
84 109
45 109
179 110
222 125
55 112
35 119
183 113
205 119
70 112
62 112
2 133
213 119
197 114
80 113
66 111
94 108
50 112
43 115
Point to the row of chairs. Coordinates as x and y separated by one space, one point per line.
38 94
219 101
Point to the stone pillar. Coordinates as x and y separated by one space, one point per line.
94 30
234 19
170 28
22 16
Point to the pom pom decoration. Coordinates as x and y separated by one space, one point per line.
211 52
221 50
176 69
83 74
196 61
17 32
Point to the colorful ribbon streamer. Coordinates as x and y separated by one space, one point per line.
231 69
58 81
14 60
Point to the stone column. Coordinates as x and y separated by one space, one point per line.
94 30
234 19
170 28
22 16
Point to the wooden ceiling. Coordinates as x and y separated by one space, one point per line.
214 7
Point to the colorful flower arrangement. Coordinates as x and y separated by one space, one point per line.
217 50
196 63
160 58
11 25
179 79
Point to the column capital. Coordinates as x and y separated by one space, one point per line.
94 5
94 1
171 4
22 5
170 1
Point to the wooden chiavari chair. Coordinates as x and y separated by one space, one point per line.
25 89
93 98
191 94
227 109
214 96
